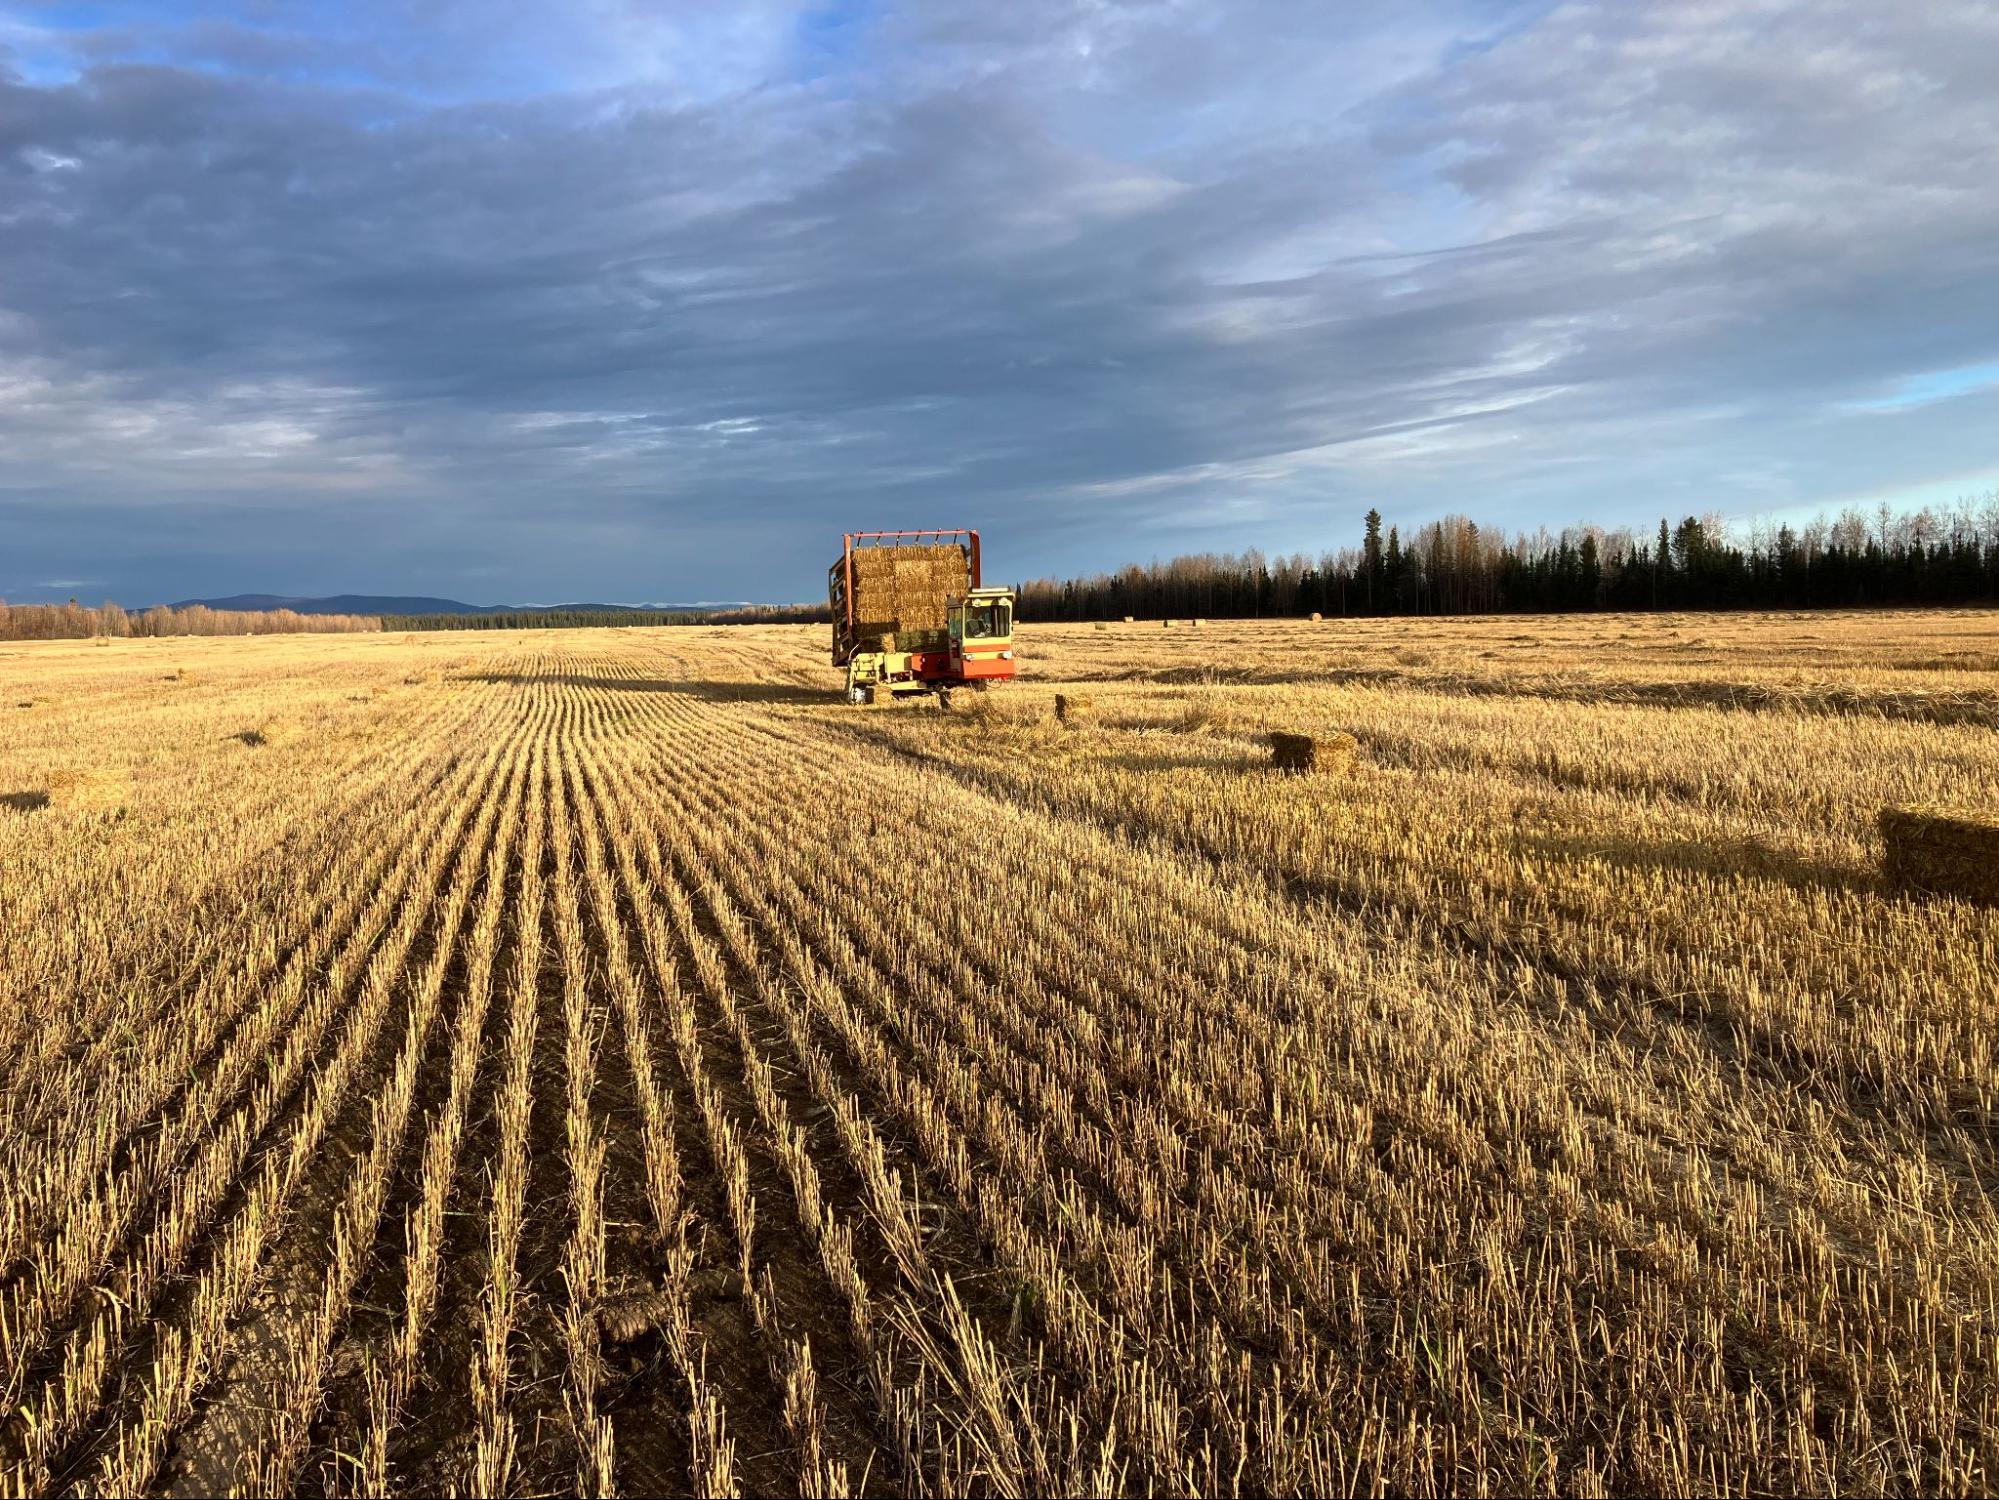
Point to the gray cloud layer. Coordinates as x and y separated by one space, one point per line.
556 307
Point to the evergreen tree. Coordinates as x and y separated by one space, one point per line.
1371 562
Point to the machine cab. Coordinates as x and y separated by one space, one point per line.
981 627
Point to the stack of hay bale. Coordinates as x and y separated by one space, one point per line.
1949 851
1312 754
899 595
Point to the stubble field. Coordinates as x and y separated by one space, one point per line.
603 1060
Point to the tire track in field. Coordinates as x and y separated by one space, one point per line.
233 1254
95 1101
144 1144
1003 1441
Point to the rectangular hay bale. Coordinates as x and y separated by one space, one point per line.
1312 754
900 591
1945 851
1070 709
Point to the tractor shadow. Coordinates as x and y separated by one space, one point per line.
1149 762
1721 859
707 689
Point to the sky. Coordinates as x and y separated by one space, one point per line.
521 302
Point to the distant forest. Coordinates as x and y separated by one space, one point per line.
1454 566
76 622
571 619
1929 557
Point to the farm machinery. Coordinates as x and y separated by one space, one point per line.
911 615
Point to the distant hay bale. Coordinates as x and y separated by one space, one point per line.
1312 754
180 674
1946 851
1070 709
1128 619
1197 622
1169 624
89 788
1317 617
1100 625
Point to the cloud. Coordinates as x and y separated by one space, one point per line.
642 301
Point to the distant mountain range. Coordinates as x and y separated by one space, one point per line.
417 604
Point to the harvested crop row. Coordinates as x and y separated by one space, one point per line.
663 1082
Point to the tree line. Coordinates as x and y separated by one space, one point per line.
1929 557
76 622
572 619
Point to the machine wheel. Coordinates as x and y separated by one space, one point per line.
857 696
944 699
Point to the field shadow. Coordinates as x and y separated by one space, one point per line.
760 692
708 689
24 802
1721 858
1149 761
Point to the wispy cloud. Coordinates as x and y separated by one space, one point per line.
1932 386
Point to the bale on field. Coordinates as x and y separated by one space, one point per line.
1129 618
1070 709
1317 617
1312 754
1197 622
180 674
1100 625
1948 851
89 788
1169 624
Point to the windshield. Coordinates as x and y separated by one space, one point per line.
987 621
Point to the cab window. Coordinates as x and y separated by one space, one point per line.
988 621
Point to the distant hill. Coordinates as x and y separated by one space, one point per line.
416 604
